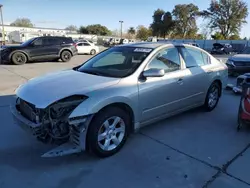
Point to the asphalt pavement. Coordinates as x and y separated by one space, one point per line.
192 150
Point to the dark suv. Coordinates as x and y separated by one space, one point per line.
40 48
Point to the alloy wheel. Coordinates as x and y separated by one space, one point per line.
111 133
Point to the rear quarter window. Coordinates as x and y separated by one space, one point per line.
67 40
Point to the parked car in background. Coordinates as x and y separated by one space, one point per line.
194 44
222 49
124 41
86 40
239 63
87 48
96 105
112 42
40 48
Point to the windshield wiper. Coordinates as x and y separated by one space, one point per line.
91 72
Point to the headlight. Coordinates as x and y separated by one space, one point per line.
230 62
65 106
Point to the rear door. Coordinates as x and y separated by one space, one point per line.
197 70
53 46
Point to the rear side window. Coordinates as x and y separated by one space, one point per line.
66 40
194 57
52 41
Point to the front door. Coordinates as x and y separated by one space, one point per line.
38 48
159 96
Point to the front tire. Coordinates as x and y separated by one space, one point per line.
19 58
108 132
213 97
65 56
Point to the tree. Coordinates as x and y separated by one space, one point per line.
217 36
22 22
83 30
234 37
71 28
98 29
142 32
185 20
167 24
226 16
131 31
157 22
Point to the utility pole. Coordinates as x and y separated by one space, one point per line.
3 33
121 28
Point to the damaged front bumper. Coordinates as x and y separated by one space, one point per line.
77 138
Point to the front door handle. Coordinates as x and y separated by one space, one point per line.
180 81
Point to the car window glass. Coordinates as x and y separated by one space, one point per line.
86 44
51 41
206 58
38 42
192 57
79 44
115 58
167 59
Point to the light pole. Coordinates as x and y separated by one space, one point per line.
121 27
3 33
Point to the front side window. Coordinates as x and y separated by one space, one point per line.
194 57
116 62
39 42
167 59
86 44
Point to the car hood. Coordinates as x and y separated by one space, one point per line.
45 90
240 57
12 47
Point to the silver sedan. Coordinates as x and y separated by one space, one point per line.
96 105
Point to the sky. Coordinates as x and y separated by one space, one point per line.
61 13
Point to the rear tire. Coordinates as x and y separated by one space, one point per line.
213 96
19 58
65 56
93 52
108 132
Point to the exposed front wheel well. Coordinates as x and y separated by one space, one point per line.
126 108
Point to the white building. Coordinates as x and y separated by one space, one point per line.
26 32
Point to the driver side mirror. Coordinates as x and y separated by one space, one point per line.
154 73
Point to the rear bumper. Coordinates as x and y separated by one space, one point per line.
75 52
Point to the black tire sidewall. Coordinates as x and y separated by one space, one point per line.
206 105
13 58
92 52
62 56
95 125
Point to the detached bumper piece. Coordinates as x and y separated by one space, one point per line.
64 149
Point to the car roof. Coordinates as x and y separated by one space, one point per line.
153 45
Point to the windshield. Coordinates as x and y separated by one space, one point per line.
27 42
116 62
246 51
